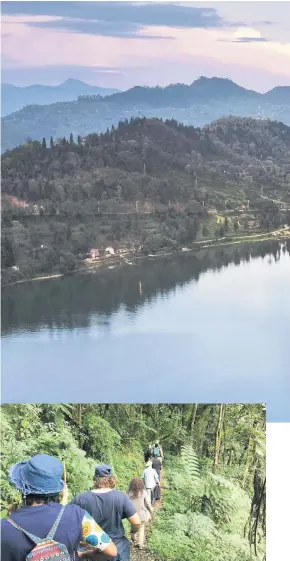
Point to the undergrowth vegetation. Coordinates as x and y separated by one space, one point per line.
213 501
202 519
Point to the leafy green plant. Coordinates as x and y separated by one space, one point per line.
97 432
190 461
182 533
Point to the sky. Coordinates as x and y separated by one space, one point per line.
124 44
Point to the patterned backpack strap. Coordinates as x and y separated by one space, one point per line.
35 539
51 533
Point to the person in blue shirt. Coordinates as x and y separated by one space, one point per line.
40 482
109 506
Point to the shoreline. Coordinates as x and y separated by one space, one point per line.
203 244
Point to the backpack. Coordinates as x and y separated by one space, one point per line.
47 548
156 451
147 455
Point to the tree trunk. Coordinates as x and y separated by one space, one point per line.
249 456
207 412
218 435
79 423
258 509
192 418
224 443
79 414
183 415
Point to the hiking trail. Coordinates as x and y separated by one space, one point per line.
144 554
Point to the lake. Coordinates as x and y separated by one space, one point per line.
210 326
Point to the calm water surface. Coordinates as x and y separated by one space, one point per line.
205 327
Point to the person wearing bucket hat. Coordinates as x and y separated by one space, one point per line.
41 475
109 506
42 488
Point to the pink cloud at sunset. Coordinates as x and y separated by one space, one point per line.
121 44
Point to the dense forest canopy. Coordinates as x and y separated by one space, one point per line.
145 183
247 152
214 469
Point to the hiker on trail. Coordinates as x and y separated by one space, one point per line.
147 454
150 479
151 447
109 506
161 452
157 465
156 451
139 497
40 482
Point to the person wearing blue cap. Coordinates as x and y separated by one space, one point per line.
109 506
40 482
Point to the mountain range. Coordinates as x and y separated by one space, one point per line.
202 102
15 97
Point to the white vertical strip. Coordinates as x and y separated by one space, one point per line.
278 491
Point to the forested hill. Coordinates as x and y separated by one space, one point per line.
200 91
146 184
213 484
155 161
197 104
183 95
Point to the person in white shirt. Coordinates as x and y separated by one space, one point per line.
150 478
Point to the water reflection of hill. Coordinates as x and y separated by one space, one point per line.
72 301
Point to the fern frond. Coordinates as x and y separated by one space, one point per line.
190 462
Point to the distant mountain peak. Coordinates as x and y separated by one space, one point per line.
224 87
216 81
211 80
280 94
15 98
74 82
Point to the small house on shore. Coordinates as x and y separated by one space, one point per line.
109 251
253 223
122 250
94 254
